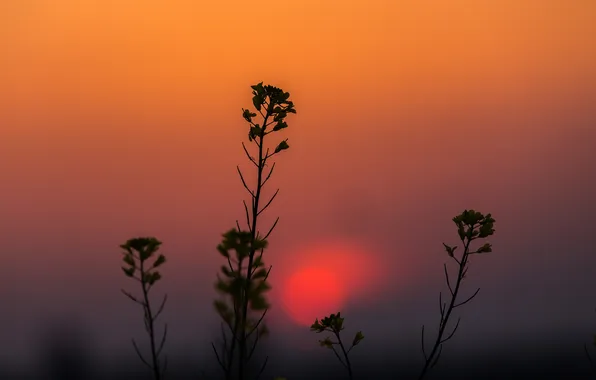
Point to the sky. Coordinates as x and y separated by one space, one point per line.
123 118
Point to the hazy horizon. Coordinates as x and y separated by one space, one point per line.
123 119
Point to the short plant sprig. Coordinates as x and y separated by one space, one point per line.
471 225
137 253
335 324
245 277
232 284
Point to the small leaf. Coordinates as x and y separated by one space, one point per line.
449 249
222 286
280 125
128 259
223 310
282 146
263 330
257 101
327 342
461 232
223 251
258 262
316 326
259 244
259 89
255 131
485 248
261 273
338 323
486 230
129 272
155 276
258 302
247 115
357 338
159 261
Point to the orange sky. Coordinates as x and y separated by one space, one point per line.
109 106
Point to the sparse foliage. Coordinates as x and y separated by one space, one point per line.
335 324
471 225
244 281
137 254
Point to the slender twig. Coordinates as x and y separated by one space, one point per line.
447 279
478 226
258 323
271 229
269 175
244 182
348 364
445 318
469 299
262 368
251 158
148 276
268 203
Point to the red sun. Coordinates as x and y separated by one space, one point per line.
312 293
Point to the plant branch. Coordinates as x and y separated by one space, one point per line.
471 226
269 202
244 183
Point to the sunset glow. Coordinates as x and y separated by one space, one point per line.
123 118
311 293
328 275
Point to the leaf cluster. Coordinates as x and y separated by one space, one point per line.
239 282
137 252
276 106
234 280
335 324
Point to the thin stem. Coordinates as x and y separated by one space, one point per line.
430 360
149 319
348 364
253 231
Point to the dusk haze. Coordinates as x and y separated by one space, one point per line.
124 119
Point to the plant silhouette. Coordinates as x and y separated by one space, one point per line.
471 225
243 281
335 324
137 253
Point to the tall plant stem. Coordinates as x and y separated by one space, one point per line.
431 359
253 230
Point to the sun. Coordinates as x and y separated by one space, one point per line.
321 278
311 293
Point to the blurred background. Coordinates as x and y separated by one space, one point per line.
123 118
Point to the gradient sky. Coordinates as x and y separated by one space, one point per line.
121 118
